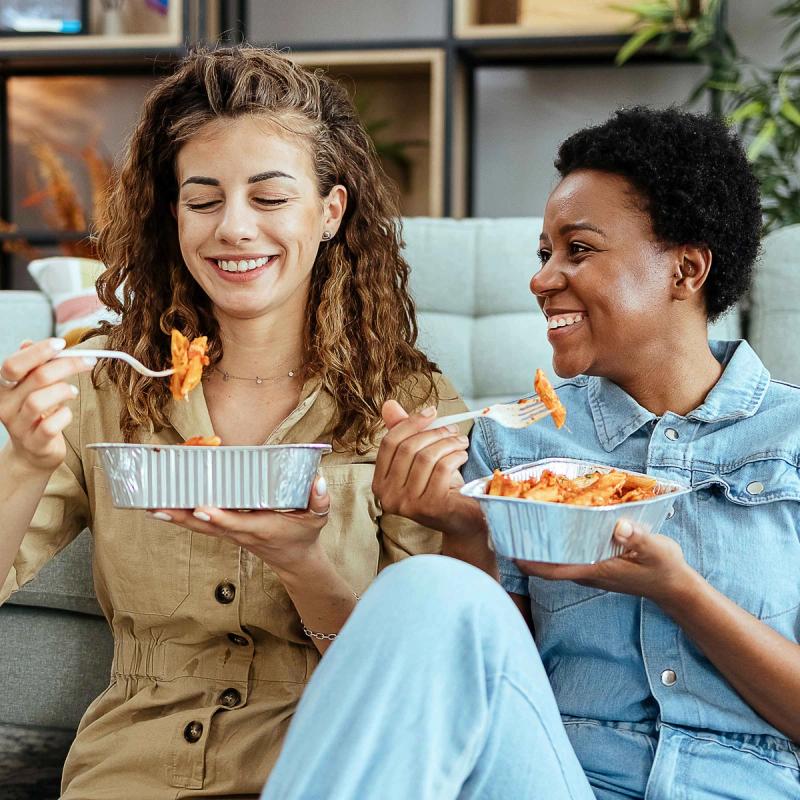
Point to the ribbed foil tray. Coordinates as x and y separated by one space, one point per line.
277 477
535 530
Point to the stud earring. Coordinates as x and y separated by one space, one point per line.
326 235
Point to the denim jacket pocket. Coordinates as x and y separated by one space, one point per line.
556 596
753 552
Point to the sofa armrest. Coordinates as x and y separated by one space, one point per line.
24 315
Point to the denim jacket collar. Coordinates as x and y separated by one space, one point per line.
737 394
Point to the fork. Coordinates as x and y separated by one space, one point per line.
510 415
74 352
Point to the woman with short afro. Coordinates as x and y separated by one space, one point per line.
669 671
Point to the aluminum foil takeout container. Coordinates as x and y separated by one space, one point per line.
535 530
277 477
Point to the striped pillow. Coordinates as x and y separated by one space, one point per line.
69 284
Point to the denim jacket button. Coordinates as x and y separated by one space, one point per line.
671 433
754 487
668 677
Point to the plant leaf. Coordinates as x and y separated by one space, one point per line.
791 112
764 137
637 41
751 110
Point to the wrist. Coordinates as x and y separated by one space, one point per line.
464 518
678 593
301 565
20 469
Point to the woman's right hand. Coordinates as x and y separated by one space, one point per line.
416 471
33 398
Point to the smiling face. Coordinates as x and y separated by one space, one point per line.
606 284
250 218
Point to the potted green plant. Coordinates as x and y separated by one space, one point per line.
763 102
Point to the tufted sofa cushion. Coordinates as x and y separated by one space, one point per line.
485 335
774 327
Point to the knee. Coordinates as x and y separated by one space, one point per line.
437 585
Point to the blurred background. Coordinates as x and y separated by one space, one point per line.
466 100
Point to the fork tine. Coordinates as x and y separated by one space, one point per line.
531 409
523 421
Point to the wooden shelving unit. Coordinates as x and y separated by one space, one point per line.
145 44
422 86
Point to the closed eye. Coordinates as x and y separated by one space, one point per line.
271 201
202 206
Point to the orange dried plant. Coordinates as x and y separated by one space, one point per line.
54 191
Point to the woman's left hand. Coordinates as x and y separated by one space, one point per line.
283 540
651 566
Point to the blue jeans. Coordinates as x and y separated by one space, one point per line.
433 690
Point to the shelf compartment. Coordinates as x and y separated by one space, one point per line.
405 87
144 29
521 19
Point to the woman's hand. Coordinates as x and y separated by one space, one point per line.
33 398
651 566
284 540
416 471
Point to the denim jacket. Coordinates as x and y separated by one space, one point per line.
616 657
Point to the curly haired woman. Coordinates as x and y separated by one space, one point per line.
672 671
250 209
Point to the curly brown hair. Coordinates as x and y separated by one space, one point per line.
361 330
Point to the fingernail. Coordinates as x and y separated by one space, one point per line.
321 487
159 515
624 529
74 389
428 411
202 516
58 344
452 428
25 343
90 361
463 439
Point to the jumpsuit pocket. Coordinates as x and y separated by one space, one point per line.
143 563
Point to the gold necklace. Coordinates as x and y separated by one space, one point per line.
226 376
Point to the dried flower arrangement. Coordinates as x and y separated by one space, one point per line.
54 191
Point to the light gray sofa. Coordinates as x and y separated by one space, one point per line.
477 320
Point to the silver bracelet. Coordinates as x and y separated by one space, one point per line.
323 637
328 637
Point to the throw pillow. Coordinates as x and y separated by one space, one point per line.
69 284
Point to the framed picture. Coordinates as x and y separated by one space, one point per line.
43 17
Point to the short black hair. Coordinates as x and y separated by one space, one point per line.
698 188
